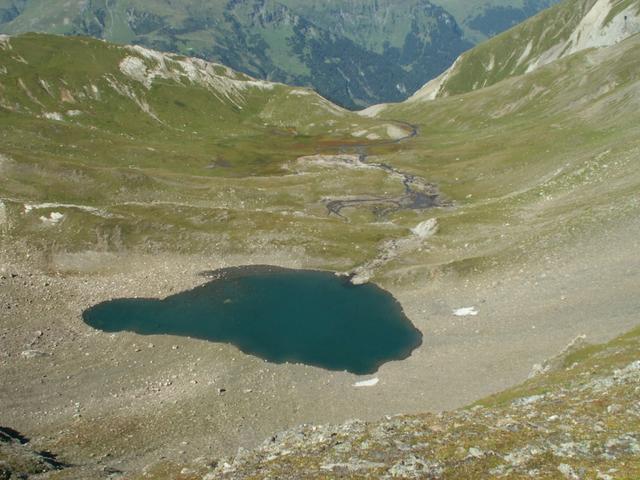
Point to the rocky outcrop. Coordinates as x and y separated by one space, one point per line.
18 460
580 420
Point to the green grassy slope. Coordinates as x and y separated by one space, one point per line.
356 53
527 152
141 145
532 152
534 166
74 88
569 27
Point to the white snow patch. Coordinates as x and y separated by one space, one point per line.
367 383
4 218
426 229
5 43
466 312
359 133
396 133
53 116
373 136
591 32
53 219
373 110
74 113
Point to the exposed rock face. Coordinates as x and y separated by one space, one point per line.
426 229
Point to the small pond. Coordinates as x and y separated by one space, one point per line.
280 315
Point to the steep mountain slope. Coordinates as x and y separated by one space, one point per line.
355 53
415 35
481 20
263 38
563 30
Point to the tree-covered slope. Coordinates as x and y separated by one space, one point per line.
483 19
356 53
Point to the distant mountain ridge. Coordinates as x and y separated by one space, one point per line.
568 28
563 30
355 53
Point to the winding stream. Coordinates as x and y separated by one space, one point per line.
418 193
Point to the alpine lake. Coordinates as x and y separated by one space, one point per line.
280 315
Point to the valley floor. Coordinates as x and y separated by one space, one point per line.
124 401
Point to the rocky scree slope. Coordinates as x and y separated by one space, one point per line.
579 418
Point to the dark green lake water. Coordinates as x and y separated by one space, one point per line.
280 315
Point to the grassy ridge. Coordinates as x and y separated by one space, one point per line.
165 165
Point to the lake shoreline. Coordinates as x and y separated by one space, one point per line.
161 391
